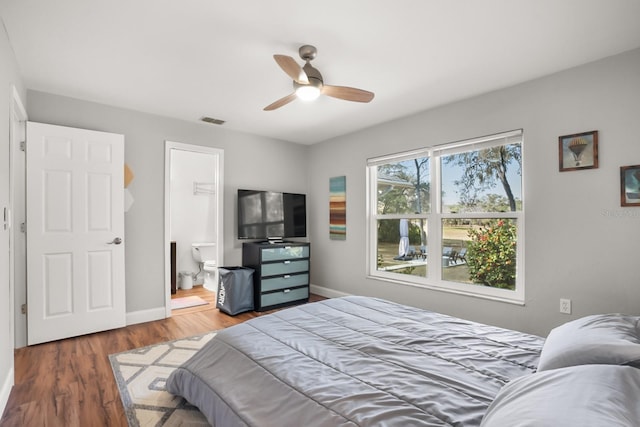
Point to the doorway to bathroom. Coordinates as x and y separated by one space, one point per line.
193 226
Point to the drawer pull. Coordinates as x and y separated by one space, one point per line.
286 276
287 291
287 262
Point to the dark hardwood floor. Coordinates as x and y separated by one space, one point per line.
70 382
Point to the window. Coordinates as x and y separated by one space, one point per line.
450 217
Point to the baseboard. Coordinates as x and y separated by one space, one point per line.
142 316
7 384
159 313
327 292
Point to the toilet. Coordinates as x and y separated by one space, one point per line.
206 254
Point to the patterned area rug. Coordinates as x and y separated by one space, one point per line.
186 302
141 375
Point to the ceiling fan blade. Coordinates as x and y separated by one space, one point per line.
281 102
291 67
348 93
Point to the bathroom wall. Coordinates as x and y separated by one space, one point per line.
193 210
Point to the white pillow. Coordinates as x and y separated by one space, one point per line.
578 396
612 339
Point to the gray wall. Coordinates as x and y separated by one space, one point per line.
250 162
579 244
9 77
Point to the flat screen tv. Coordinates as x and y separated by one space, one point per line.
271 215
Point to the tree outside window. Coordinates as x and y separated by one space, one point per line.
450 216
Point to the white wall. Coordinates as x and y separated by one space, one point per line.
9 77
580 244
250 162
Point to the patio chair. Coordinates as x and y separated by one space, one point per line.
462 255
424 251
408 255
449 254
412 252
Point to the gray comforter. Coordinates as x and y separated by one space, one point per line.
353 361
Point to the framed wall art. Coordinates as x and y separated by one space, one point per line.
338 208
630 185
578 151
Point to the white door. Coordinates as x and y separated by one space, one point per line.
75 232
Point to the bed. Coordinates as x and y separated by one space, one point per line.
359 361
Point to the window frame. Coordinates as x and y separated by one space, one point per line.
434 219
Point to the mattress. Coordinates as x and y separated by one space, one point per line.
353 361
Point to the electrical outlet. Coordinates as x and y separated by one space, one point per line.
565 306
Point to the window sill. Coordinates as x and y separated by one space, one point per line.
493 294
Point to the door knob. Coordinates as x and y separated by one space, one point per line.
115 241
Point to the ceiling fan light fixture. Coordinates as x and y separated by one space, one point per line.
308 83
307 92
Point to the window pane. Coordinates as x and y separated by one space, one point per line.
403 187
485 180
402 246
480 251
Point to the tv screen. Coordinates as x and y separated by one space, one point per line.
271 215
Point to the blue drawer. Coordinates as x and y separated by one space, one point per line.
284 252
285 267
284 296
286 281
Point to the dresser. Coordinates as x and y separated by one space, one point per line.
281 273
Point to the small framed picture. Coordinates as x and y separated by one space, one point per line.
578 151
630 185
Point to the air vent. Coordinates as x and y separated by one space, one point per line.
212 120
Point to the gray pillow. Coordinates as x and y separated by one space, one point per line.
611 339
578 396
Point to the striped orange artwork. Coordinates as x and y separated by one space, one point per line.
338 208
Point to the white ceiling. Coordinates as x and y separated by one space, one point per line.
192 58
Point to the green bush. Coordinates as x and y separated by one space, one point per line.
389 232
491 254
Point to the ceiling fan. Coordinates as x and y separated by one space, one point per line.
308 83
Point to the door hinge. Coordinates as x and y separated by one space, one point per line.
23 227
23 309
23 145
